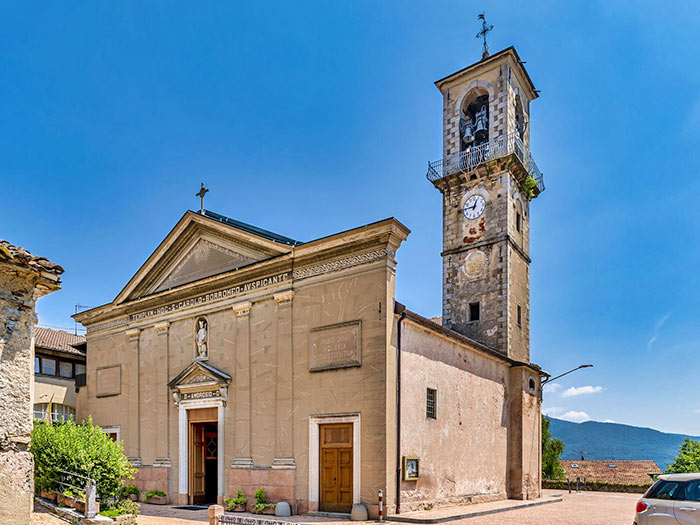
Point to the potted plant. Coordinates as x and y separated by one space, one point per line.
47 494
261 505
237 504
130 491
156 497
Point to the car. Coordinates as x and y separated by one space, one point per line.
673 500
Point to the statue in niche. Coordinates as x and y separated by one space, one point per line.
201 338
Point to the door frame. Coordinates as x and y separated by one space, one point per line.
184 443
314 454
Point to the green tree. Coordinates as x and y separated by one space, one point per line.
688 459
82 449
551 450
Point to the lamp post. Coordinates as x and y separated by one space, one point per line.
565 373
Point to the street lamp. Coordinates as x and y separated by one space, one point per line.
565 373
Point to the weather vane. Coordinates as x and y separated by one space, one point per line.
485 29
202 192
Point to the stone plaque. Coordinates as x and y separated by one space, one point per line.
109 381
335 346
204 394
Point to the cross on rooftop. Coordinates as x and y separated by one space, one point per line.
202 192
485 29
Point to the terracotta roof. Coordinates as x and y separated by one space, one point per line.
59 341
19 256
624 471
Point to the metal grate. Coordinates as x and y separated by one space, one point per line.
431 404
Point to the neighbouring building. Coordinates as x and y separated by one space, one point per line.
625 472
59 369
23 279
238 359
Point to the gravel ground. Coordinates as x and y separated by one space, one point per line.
590 508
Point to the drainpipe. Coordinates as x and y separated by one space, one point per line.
398 309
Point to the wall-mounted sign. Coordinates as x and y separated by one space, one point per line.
109 381
204 394
411 468
335 346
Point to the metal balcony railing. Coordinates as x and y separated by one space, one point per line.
500 147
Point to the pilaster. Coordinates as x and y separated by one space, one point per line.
162 400
283 435
243 457
132 438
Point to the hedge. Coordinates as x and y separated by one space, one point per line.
599 486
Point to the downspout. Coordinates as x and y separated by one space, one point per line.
398 309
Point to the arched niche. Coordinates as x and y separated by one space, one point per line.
474 118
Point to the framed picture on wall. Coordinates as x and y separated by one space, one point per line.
411 468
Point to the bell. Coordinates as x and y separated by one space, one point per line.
480 131
468 137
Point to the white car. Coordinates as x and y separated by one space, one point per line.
673 500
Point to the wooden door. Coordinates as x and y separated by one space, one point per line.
197 463
336 467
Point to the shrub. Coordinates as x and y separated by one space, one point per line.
261 502
129 490
528 186
119 507
240 499
82 449
156 493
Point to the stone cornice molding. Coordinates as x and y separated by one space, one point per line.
162 328
341 264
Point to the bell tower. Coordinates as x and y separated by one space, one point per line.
488 180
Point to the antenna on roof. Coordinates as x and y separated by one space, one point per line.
78 308
485 29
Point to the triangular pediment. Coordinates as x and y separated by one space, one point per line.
198 248
199 374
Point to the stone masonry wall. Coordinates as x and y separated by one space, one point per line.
17 319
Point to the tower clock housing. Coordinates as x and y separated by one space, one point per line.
488 180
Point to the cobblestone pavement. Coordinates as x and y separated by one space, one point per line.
589 508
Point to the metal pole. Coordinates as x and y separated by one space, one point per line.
381 505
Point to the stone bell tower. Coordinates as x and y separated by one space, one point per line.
488 180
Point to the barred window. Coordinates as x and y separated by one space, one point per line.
431 404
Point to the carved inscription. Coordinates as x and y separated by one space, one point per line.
335 346
205 394
109 381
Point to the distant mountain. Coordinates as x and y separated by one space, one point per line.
616 441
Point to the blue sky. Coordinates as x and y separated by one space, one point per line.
308 118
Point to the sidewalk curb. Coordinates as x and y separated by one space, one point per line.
474 514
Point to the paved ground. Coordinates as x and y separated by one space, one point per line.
590 508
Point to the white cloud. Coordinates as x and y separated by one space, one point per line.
551 387
696 411
657 328
553 411
608 421
581 390
574 416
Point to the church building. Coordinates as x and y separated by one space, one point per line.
239 359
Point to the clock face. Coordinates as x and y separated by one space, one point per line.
474 206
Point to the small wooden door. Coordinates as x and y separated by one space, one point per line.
336 467
197 463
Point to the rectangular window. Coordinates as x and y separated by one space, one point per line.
37 365
517 221
65 369
79 369
48 366
474 312
520 316
431 404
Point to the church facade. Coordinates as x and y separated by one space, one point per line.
239 359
